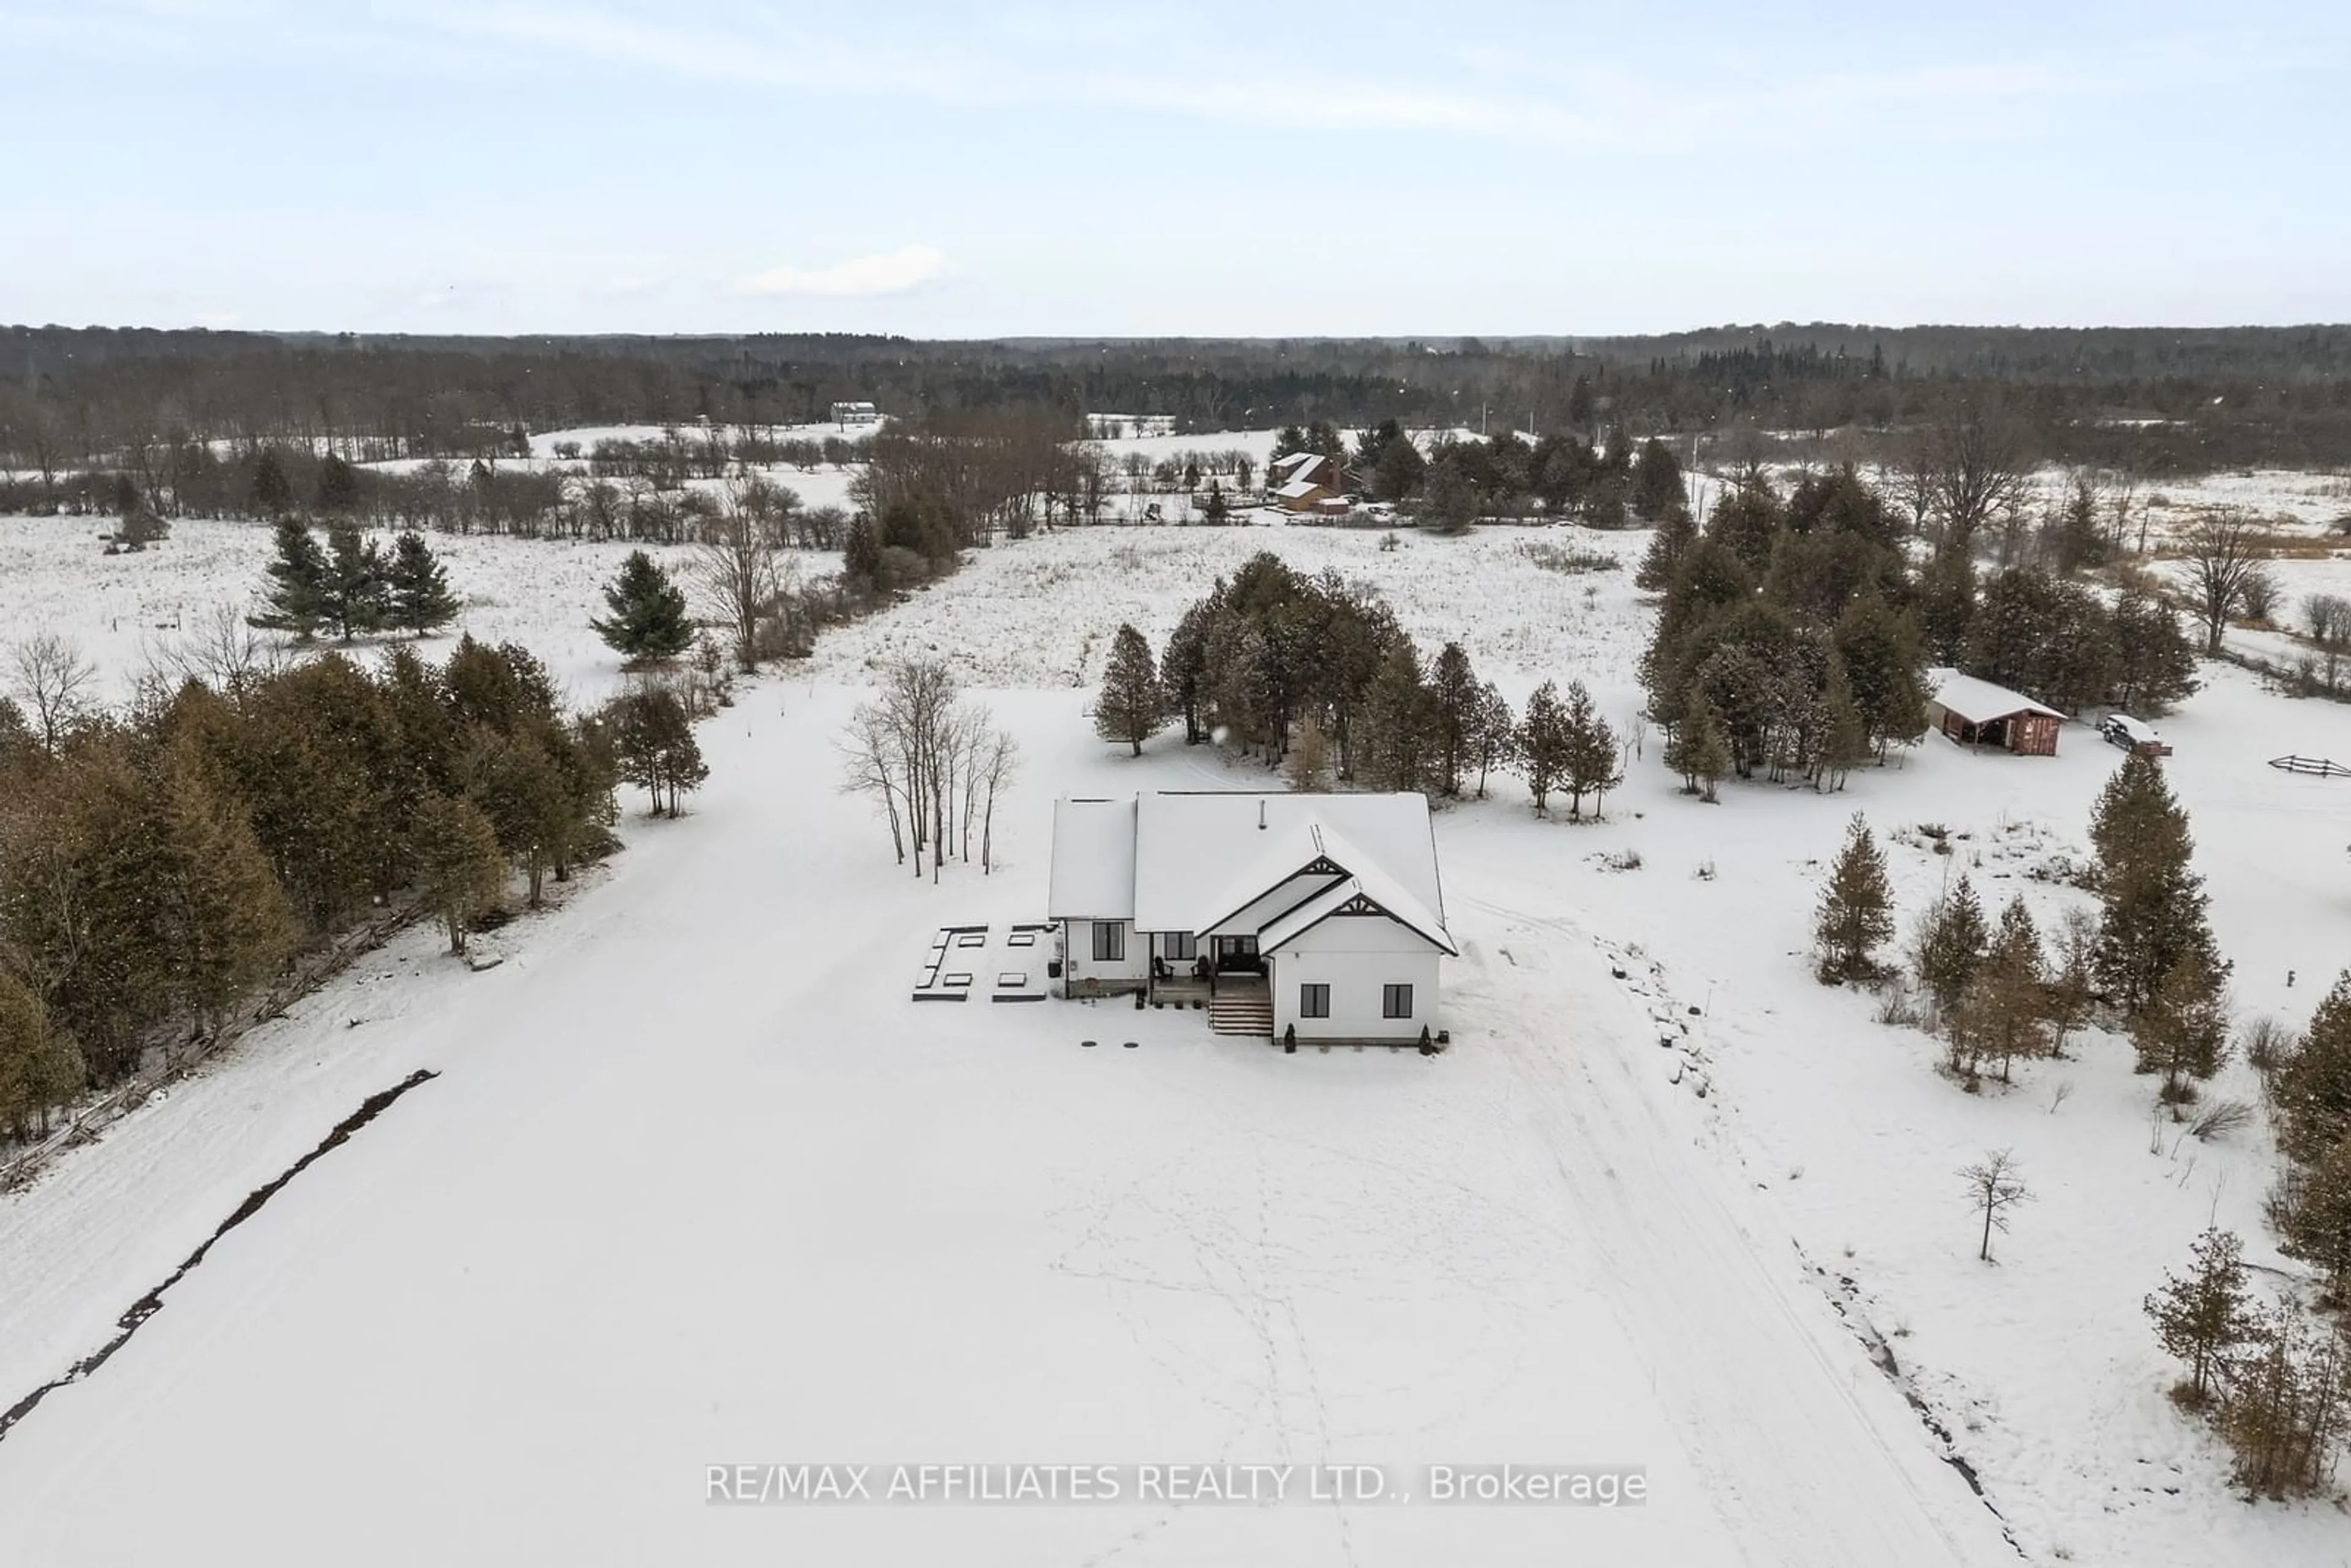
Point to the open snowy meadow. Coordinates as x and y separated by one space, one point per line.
695 1183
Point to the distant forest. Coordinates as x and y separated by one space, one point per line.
2152 400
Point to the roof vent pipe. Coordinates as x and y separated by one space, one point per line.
1260 816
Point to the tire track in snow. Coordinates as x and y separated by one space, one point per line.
1806 1471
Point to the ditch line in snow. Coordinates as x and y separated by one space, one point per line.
147 1305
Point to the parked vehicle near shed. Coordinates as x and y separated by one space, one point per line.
2133 735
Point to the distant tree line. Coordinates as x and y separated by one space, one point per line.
2155 402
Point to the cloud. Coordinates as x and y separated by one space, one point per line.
861 277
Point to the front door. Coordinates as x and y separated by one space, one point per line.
1237 954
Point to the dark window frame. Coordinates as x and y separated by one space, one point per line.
1315 999
1390 995
1110 935
1180 947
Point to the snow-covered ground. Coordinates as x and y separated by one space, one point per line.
1042 612
125 610
699 1185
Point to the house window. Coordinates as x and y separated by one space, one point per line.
1110 942
1180 945
1395 1001
1313 1002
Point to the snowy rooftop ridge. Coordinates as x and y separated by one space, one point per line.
1094 877
1979 702
1181 861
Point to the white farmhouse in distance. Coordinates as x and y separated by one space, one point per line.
855 414
1322 914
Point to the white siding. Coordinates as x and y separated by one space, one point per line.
1356 980
1078 964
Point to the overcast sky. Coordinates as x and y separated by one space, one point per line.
1263 169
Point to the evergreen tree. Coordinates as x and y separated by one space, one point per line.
648 621
1397 474
1675 533
2153 905
1700 749
1308 765
1880 648
1856 914
459 871
654 743
1494 735
2052 640
2182 1032
1133 704
515 782
353 594
1214 511
2203 1317
860 555
39 1068
1183 670
2153 662
339 486
1745 522
1950 945
1399 721
1947 605
2316 1217
272 495
1657 482
2073 986
140 524
1543 745
2313 1086
1592 764
1843 744
2002 1012
417 596
1454 693
297 602
221 918
586 771
1448 500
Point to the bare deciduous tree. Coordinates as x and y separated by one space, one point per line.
1976 465
2223 553
223 652
53 680
1994 1188
932 760
2328 618
1003 762
734 570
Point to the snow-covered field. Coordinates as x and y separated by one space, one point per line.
698 1185
125 611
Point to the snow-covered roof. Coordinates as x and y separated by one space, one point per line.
1283 464
1299 490
1190 851
1979 702
1093 860
1333 899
